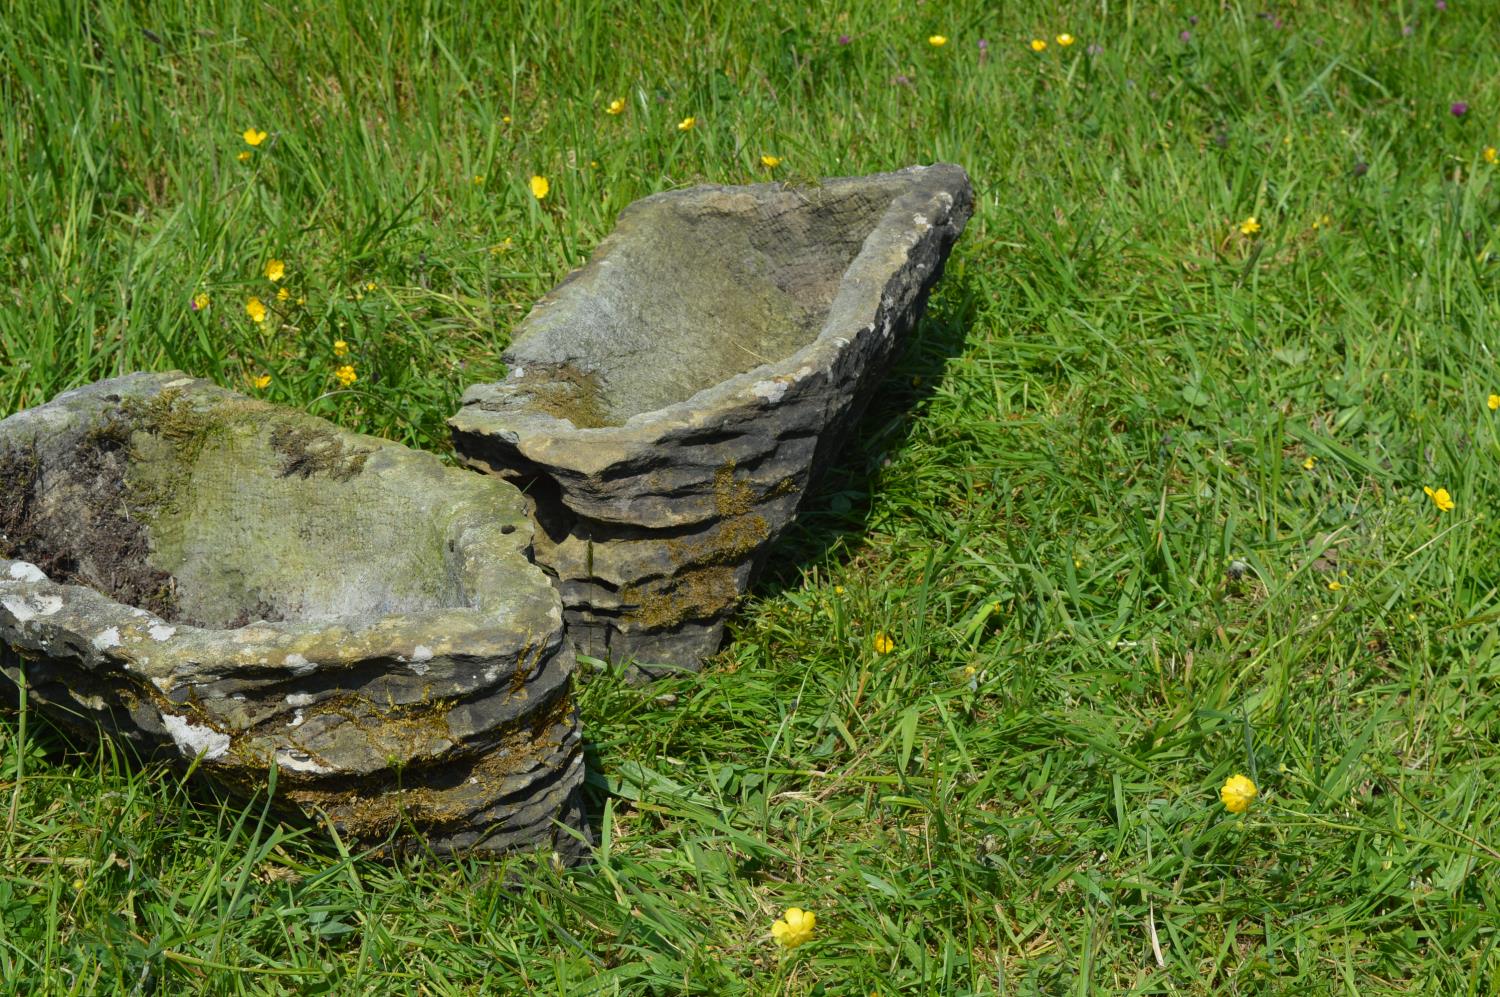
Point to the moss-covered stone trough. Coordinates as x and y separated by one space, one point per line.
236 584
667 405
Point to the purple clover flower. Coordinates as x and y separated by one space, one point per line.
1186 36
1458 108
844 39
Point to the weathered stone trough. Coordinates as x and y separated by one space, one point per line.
668 403
237 583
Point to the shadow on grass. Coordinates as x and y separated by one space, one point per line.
836 509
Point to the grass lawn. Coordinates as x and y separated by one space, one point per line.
1142 507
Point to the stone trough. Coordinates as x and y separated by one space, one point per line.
235 583
667 404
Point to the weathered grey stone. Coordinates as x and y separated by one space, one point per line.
667 404
234 582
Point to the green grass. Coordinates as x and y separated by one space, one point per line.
1114 396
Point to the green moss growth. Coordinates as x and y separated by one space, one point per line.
565 392
704 585
308 450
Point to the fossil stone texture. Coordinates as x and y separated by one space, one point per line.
667 404
237 583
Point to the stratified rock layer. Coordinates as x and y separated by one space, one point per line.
668 403
237 583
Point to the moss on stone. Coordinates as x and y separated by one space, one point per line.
307 450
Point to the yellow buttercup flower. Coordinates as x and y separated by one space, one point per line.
838 590
200 302
255 310
794 928
883 644
1038 45
1440 498
770 162
686 124
539 187
346 375
370 286
262 382
244 156
1249 226
283 294
1310 463
1491 156
1237 794
937 41
253 137
340 348
1064 39
1335 585
616 106
1494 402
275 270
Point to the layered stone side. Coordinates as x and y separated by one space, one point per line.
668 404
234 584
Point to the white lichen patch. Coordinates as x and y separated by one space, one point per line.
299 699
296 760
296 720
26 610
193 740
160 632
771 391
299 665
23 571
420 655
107 639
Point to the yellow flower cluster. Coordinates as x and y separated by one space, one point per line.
1238 793
253 137
794 928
